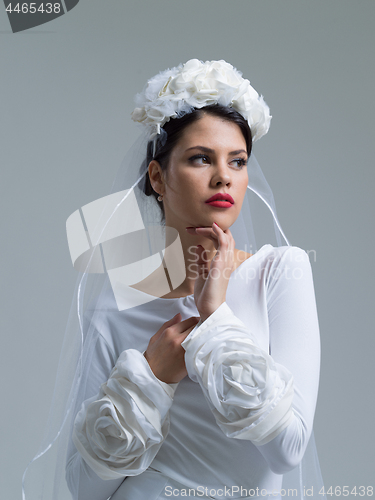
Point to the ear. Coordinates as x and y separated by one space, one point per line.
156 176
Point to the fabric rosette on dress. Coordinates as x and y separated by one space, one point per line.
250 395
120 431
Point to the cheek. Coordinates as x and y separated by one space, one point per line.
243 189
183 183
243 181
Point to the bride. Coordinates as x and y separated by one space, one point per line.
199 367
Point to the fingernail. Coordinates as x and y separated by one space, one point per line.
216 224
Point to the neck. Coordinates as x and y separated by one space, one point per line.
180 256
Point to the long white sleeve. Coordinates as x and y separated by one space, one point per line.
83 482
110 446
250 396
119 432
268 399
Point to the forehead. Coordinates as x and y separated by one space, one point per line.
212 132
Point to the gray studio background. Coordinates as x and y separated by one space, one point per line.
66 95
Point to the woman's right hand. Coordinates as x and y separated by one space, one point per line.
164 353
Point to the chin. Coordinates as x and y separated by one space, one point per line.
222 220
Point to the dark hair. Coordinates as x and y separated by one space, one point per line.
174 129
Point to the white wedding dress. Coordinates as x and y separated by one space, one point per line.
240 420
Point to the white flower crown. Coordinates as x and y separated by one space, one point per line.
196 84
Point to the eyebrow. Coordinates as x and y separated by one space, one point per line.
209 150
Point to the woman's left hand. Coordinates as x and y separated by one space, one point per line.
211 285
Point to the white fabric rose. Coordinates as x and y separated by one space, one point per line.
119 431
195 85
249 394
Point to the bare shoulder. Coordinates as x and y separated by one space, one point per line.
239 257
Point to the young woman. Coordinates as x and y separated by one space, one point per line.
198 370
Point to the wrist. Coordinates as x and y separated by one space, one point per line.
160 378
206 314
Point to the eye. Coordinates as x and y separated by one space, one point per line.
240 162
200 159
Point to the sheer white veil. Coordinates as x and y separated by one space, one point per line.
115 242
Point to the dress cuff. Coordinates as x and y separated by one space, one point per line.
222 312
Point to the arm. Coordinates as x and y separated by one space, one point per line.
267 399
83 482
118 431
295 344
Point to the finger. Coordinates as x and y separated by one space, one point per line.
225 253
216 233
224 240
207 232
187 323
185 333
226 234
176 318
230 241
229 234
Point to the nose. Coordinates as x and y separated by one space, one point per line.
222 175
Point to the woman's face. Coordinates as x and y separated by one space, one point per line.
209 158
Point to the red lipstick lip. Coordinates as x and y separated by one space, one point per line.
220 196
